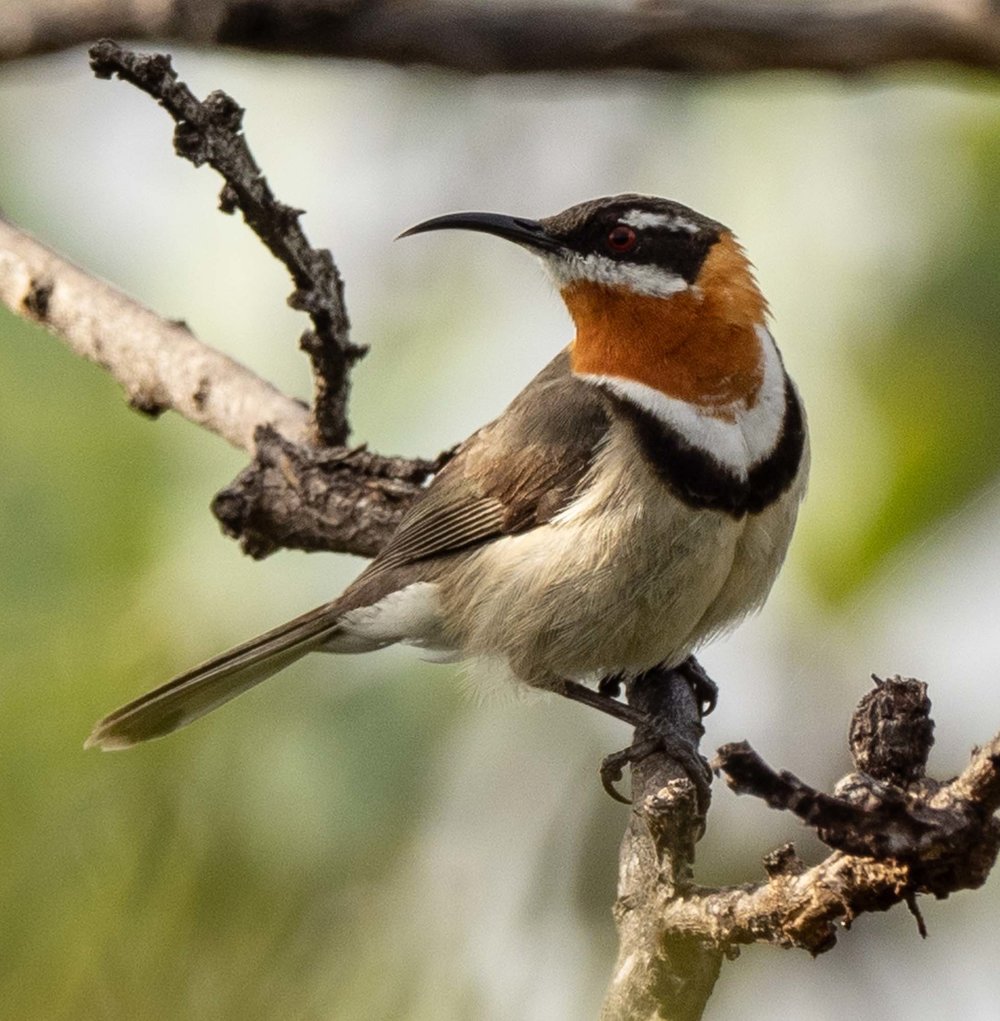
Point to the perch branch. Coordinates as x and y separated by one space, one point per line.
212 132
660 975
704 36
160 364
308 498
898 834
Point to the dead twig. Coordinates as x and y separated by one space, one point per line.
159 362
211 131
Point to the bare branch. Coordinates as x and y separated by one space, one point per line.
716 36
293 494
790 910
160 364
308 498
877 821
660 974
906 836
211 132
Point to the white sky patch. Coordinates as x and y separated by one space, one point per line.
641 219
737 445
599 269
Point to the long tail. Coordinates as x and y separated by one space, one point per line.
191 695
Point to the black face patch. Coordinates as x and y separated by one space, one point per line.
678 244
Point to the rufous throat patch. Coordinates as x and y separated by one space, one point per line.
698 345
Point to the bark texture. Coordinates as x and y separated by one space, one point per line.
896 834
160 364
661 974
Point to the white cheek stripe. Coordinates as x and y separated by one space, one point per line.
738 444
598 269
663 221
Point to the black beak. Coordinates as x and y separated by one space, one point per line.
529 233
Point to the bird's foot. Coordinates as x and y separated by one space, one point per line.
662 735
666 741
659 735
603 700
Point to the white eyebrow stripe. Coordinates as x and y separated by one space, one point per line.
671 221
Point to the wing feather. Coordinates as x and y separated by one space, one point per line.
513 474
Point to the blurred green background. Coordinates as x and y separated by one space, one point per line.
382 838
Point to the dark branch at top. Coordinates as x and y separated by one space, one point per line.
693 36
211 132
669 35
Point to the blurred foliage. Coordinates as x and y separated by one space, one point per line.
932 380
156 884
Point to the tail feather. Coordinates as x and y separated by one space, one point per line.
193 694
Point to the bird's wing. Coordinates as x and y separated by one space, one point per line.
510 476
513 474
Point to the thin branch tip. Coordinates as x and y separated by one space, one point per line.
210 131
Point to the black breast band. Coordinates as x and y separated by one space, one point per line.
699 480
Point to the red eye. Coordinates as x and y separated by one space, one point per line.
622 239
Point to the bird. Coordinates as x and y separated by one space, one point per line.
633 502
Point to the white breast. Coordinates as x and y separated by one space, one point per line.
624 578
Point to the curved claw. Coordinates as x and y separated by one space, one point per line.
613 765
698 771
704 688
612 770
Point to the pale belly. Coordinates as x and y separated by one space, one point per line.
551 611
600 593
626 578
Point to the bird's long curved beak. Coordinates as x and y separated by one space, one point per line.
529 233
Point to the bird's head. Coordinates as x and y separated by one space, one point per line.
661 296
